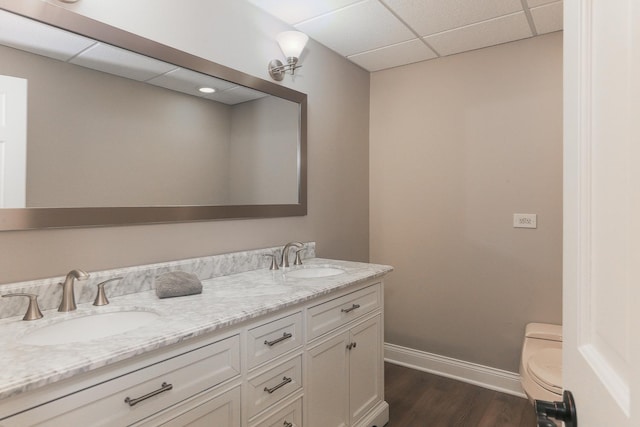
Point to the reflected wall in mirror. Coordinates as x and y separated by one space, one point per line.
115 137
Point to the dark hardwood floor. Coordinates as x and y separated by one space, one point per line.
420 399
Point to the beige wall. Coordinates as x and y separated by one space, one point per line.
237 35
95 139
457 146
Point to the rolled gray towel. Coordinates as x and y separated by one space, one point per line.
177 284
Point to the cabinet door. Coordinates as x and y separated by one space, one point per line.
327 389
208 409
365 368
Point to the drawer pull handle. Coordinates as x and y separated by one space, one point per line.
284 336
284 382
164 387
351 345
287 424
353 307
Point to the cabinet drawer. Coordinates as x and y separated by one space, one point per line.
122 400
332 314
211 408
289 416
273 385
270 340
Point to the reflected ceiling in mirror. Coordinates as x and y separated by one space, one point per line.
117 136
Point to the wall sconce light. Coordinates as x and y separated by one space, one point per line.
291 43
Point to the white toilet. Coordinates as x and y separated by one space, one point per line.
541 362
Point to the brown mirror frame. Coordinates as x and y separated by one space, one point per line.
39 218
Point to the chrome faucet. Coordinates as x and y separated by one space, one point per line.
68 302
284 262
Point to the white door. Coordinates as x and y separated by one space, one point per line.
13 141
602 210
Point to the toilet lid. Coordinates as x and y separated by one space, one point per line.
545 367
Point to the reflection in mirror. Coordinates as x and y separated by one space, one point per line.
105 127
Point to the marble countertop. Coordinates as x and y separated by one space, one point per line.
225 301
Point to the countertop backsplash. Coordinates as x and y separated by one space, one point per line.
139 278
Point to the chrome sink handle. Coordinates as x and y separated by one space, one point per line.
298 260
33 311
101 296
68 302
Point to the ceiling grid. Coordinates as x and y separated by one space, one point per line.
381 34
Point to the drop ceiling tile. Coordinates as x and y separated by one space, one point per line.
428 17
536 3
236 95
393 56
35 37
357 28
188 81
121 62
488 33
295 11
547 18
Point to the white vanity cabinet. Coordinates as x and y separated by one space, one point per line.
345 383
316 363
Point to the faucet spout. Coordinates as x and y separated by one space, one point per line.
284 262
68 302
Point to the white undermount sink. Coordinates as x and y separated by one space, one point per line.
88 328
314 272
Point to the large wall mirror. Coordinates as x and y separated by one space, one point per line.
102 127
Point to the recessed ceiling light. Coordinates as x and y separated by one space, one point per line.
206 89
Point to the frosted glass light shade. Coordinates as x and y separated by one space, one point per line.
292 43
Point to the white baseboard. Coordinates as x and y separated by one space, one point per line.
483 376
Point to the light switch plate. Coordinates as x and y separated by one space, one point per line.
525 220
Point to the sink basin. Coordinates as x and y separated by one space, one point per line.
314 272
88 328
